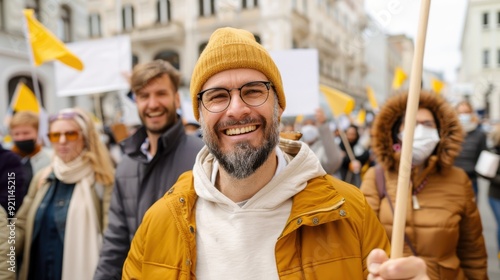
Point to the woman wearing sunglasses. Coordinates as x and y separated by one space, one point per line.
65 211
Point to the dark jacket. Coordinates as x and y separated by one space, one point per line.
12 181
474 143
138 185
494 190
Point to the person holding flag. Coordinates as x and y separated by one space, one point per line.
443 225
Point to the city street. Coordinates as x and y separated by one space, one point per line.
489 229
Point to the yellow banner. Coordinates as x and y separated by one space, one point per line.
371 98
399 78
437 86
361 118
339 102
24 99
45 46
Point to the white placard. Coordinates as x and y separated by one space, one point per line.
107 62
300 74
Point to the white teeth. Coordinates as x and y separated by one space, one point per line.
241 130
155 114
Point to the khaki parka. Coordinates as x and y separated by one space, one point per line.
329 234
446 230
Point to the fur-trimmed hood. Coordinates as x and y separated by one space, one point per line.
386 124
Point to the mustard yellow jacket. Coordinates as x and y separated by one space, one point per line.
329 234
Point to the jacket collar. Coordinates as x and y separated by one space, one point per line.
168 141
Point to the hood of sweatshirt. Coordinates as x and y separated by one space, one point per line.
302 165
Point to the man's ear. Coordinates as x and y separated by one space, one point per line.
280 112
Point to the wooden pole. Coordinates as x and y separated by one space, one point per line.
347 146
397 241
32 61
42 115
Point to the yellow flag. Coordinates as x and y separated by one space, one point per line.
299 118
46 46
437 85
371 98
24 99
399 78
339 102
361 118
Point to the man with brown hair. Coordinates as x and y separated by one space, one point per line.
154 157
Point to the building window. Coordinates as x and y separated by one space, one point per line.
207 7
201 47
248 4
486 58
128 17
35 5
2 15
64 24
94 25
163 11
135 60
498 58
257 38
170 56
485 19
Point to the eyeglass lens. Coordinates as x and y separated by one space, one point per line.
55 137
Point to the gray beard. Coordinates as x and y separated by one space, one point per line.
245 159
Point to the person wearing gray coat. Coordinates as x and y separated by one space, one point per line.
153 159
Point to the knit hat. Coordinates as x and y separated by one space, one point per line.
230 48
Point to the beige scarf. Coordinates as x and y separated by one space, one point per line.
82 239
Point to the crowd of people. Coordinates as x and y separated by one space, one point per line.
226 196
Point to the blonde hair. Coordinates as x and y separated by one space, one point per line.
96 152
24 118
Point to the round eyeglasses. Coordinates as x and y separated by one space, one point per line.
216 100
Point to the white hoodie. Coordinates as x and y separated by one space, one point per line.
236 242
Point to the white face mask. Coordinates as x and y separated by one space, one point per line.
425 140
465 118
309 133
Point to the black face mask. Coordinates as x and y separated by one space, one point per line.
26 146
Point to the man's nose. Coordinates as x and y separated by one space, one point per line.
237 107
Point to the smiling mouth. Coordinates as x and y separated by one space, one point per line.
155 114
240 130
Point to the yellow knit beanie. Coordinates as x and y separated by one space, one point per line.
230 48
